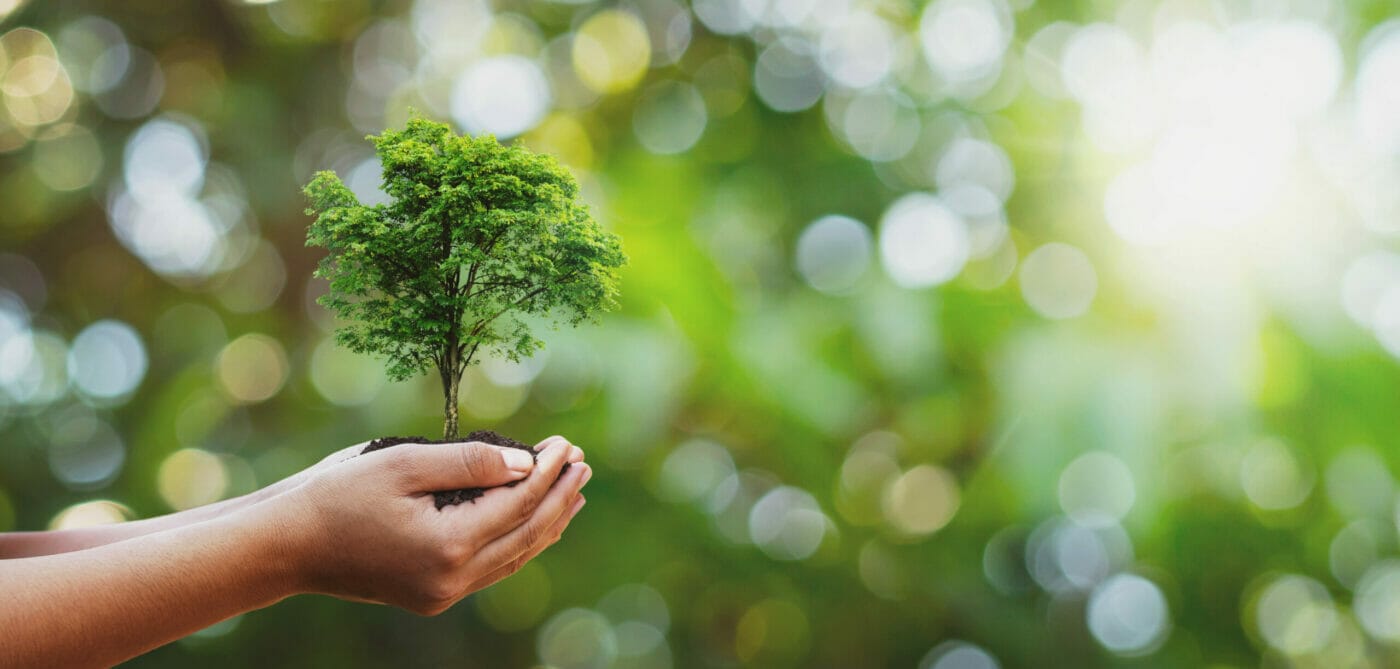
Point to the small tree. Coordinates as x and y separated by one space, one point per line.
476 236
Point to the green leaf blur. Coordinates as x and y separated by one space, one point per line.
959 333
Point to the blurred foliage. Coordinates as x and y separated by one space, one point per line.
970 334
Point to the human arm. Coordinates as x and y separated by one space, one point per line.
365 530
50 542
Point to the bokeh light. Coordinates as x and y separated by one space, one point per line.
922 242
191 477
1058 281
503 96
833 253
252 368
107 360
1119 390
89 514
922 500
1128 615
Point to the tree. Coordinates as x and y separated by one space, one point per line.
475 238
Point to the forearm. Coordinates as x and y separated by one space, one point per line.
98 607
33 544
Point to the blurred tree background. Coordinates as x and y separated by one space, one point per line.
967 334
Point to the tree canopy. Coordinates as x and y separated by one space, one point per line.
476 237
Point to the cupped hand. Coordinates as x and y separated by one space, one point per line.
365 528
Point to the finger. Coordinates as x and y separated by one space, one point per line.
550 538
515 542
430 467
501 510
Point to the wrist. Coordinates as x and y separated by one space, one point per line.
276 543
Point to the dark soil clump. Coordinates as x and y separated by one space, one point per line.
453 497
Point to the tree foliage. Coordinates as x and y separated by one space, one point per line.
476 237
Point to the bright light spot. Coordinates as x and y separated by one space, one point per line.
1295 614
636 602
577 638
866 472
95 52
833 254
982 211
1041 59
1128 615
723 17
1058 281
503 96
90 514
1377 97
1367 281
669 118
1272 478
731 501
964 40
1097 489
164 157
84 451
641 645
33 367
787 524
252 368
1353 550
611 51
191 477
1102 62
173 235
1359 483
858 51
1377 603
692 471
922 242
958 655
345 378
35 86
922 501
8 7
158 217
1385 315
365 182
107 360
1063 556
879 125
1294 66
786 77
976 162
1104 69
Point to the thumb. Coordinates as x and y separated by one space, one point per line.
433 467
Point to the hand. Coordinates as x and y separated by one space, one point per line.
366 529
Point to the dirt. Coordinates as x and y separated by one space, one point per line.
452 497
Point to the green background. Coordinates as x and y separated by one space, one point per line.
803 457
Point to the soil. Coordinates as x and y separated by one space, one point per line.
452 497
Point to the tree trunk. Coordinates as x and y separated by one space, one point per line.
449 409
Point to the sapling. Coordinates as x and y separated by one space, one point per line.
477 241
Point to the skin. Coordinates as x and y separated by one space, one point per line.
357 528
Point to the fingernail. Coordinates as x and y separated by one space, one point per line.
517 460
587 474
576 454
